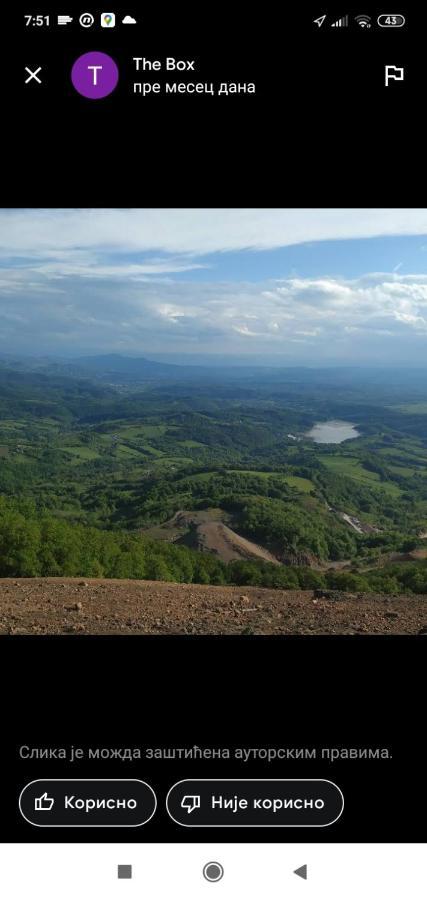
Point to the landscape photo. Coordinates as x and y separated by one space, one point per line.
213 421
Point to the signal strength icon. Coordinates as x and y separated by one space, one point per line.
363 21
340 23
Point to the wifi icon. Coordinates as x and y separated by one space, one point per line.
363 21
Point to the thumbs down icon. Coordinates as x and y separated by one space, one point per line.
190 802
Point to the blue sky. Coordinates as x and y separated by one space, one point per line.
281 286
347 259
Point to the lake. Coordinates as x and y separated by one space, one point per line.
333 432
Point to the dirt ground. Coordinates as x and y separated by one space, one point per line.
218 538
98 606
208 530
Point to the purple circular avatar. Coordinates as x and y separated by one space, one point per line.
94 75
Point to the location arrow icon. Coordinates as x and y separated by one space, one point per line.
319 21
302 872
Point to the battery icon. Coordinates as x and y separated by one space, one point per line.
385 21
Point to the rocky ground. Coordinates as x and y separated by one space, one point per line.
97 606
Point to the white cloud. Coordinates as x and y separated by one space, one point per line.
131 272
53 232
104 280
243 329
334 316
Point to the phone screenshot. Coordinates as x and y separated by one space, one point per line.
213 452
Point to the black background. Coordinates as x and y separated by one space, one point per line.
218 692
321 129
318 133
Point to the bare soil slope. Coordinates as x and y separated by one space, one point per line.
208 530
218 538
98 606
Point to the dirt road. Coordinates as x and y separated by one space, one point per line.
97 606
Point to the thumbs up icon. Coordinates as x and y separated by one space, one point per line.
43 803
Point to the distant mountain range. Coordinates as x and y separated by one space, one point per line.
108 368
115 368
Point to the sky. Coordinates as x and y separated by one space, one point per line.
272 286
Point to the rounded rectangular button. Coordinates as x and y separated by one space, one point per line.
246 803
87 803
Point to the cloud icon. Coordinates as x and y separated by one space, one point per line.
128 20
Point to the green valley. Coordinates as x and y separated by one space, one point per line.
204 475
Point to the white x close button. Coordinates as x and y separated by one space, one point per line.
33 75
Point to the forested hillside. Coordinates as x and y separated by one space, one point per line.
93 472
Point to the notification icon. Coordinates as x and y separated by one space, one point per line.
108 20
